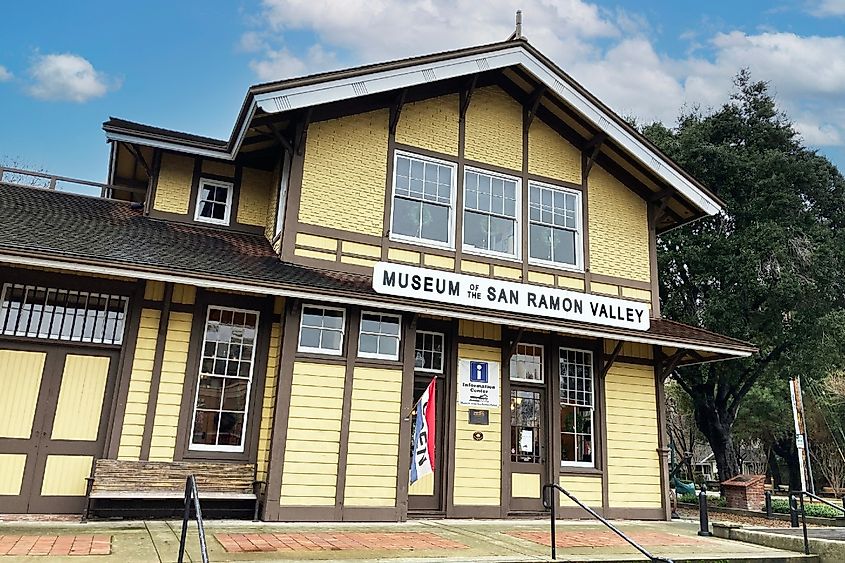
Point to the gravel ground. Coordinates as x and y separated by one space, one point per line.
715 516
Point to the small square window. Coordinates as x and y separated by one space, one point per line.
527 363
428 352
321 330
380 336
214 202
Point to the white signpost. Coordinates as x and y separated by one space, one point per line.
499 295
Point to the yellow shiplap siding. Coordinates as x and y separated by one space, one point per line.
525 485
268 401
423 487
619 244
369 250
80 402
174 364
472 267
430 124
309 480
585 489
570 283
173 189
11 473
633 463
634 293
270 213
479 329
255 196
374 420
604 288
218 168
507 272
154 290
184 294
437 261
20 378
64 475
541 278
406 256
494 128
316 254
478 475
551 155
630 349
367 263
314 241
344 174
139 386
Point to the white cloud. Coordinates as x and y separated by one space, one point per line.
5 74
827 8
611 52
67 77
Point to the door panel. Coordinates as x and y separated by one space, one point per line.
528 444
80 402
64 475
11 474
20 379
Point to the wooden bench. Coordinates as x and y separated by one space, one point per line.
156 480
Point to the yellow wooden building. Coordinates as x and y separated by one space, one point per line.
283 297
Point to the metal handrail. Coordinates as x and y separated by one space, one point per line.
801 495
53 181
823 501
550 504
192 497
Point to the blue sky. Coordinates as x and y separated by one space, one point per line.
186 65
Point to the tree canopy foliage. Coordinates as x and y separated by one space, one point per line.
768 270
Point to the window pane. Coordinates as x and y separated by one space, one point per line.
205 428
209 393
475 230
231 429
502 235
331 340
234 395
368 344
221 194
540 244
564 246
435 222
218 211
370 322
406 217
389 325
388 346
403 166
332 318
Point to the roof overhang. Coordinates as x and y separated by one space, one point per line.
297 94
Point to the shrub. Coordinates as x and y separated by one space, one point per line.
816 509
692 498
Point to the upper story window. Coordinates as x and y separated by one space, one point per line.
379 336
491 213
554 225
527 363
214 202
428 352
321 330
423 200
576 407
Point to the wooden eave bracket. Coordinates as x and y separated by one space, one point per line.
467 95
610 360
593 146
301 128
669 364
281 138
515 342
532 105
396 110
136 152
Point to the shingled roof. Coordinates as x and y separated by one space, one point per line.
76 229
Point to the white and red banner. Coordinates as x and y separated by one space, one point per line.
422 459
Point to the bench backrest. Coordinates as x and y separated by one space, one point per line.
154 476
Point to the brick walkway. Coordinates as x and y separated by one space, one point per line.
55 545
600 538
328 541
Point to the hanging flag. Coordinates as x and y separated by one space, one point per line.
422 457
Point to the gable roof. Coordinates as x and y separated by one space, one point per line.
298 93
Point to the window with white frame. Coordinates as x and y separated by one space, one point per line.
321 330
428 352
423 191
576 407
221 404
554 232
379 337
491 213
527 363
214 202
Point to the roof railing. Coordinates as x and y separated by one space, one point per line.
36 179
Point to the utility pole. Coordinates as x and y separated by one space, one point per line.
801 442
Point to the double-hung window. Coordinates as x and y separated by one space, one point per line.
554 225
225 375
576 407
321 330
491 213
428 352
214 202
379 336
423 199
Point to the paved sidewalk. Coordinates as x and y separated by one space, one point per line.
415 541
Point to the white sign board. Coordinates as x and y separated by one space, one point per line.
478 383
498 295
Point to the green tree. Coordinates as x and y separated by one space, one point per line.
768 270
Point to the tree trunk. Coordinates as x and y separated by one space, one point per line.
774 468
718 435
786 450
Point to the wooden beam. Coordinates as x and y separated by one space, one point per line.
396 110
515 343
533 104
609 363
139 158
301 128
467 95
281 138
671 363
594 147
661 195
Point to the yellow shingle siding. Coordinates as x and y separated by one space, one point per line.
618 228
173 189
633 465
430 124
344 174
551 155
494 128
255 196
272 206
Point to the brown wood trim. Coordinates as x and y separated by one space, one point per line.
149 200
585 223
428 152
493 168
174 307
304 514
463 101
476 341
467 511
124 374
622 282
447 484
155 381
318 358
634 513
353 327
281 410
555 182
63 280
605 476
204 299
388 182
652 258
371 514
189 220
294 192
339 234
505 347
403 464
662 439
524 222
